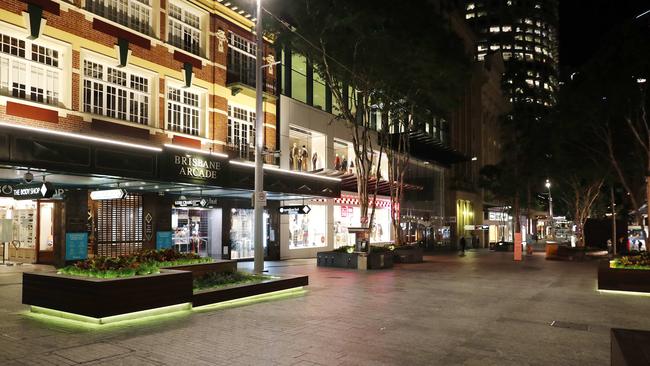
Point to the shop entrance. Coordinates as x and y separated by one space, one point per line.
242 245
197 230
28 230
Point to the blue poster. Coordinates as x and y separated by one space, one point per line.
76 246
163 239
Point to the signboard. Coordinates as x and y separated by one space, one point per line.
259 198
163 240
207 202
294 210
196 168
498 216
518 248
76 246
148 226
477 227
33 191
6 190
108 194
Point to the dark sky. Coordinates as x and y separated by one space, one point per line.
584 24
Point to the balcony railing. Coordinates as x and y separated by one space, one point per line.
246 152
240 74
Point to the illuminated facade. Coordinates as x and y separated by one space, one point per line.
525 33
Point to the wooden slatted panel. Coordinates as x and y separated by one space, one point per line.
119 226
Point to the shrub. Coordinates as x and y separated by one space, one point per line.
633 261
344 249
222 279
144 262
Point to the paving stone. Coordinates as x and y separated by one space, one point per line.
91 352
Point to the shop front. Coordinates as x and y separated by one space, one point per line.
114 198
499 224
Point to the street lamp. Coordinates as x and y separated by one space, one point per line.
550 208
259 197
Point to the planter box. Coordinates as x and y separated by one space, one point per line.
206 297
408 255
201 269
629 347
619 279
98 298
337 259
380 260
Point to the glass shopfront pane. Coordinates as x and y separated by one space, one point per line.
192 230
299 77
349 216
319 91
306 149
46 229
308 231
242 231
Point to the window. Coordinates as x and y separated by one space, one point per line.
29 75
241 60
183 111
241 128
184 29
495 29
135 14
115 93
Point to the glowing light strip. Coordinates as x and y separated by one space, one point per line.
268 167
642 14
178 147
631 293
281 294
81 137
52 314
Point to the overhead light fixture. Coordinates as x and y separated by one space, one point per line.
81 137
474 158
184 148
291 172
108 194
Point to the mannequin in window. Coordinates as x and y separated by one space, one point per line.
337 162
344 164
295 155
351 171
304 158
314 161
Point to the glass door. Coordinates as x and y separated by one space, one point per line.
45 232
242 228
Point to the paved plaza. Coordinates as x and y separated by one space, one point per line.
481 309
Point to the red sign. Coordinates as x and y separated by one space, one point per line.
364 219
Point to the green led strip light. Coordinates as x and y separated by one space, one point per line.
144 315
630 293
275 295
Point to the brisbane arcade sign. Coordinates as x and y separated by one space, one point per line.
194 168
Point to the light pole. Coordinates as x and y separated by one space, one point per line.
550 208
259 198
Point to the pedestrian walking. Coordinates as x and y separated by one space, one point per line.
463 243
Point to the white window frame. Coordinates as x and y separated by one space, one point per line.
23 76
241 119
97 102
246 51
135 14
180 24
180 124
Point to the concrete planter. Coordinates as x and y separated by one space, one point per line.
201 269
413 255
380 260
629 347
99 297
215 296
337 259
619 279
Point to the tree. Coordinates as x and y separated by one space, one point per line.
402 61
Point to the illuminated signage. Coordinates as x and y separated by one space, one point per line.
33 191
294 210
109 194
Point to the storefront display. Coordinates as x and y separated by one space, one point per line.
23 217
310 230
242 230
305 149
349 216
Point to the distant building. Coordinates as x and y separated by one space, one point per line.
525 33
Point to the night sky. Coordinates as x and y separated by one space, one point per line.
584 24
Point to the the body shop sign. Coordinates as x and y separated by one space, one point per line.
195 168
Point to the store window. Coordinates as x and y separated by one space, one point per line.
299 77
135 14
343 157
348 214
183 111
242 244
242 55
184 27
29 70
308 231
197 230
117 93
241 130
319 91
18 220
306 149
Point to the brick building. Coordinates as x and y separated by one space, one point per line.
153 97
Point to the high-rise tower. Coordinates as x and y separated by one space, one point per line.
525 32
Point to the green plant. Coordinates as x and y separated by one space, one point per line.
222 279
344 249
633 261
378 249
141 263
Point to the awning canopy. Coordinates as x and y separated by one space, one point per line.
425 147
